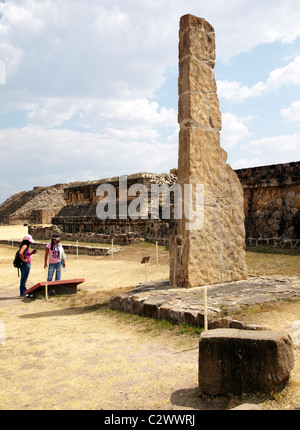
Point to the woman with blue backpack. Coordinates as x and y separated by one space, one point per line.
25 256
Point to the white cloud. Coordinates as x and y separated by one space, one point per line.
236 92
243 163
288 75
47 156
2 73
51 112
140 110
127 113
7 189
62 48
233 130
292 113
97 66
133 134
274 150
54 46
269 150
241 25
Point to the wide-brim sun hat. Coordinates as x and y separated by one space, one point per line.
29 238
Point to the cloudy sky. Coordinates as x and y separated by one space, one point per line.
88 88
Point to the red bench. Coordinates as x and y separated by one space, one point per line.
68 286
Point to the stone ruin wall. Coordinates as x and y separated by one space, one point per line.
37 206
271 208
272 205
78 218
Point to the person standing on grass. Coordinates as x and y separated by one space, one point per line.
57 258
25 256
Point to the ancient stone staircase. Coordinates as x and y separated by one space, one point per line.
18 209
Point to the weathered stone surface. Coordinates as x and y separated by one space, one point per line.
196 76
240 325
220 323
255 327
187 304
213 252
190 317
246 407
272 204
37 206
204 42
242 361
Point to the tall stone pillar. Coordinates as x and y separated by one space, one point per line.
214 251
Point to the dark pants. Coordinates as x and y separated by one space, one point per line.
24 276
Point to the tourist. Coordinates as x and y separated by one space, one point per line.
57 258
25 256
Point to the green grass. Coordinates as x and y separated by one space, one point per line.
273 261
260 261
146 324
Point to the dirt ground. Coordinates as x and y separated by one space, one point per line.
71 352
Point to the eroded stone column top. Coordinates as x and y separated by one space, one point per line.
197 38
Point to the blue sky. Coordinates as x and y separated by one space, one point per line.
88 88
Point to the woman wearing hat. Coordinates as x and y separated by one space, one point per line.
57 257
25 255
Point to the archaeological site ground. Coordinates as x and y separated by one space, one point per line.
73 352
210 321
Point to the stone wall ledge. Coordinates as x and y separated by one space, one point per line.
69 249
273 242
185 305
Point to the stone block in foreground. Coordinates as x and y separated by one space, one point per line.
244 361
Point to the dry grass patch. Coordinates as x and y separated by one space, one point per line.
72 352
273 261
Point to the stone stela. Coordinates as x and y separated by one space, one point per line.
216 252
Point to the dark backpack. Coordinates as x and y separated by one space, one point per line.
18 263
